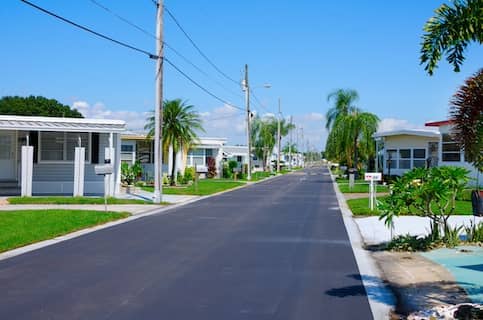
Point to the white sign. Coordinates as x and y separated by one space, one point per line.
103 169
373 176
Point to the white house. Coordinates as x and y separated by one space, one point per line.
402 150
137 147
49 168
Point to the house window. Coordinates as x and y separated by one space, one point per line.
391 159
239 159
196 157
404 158
419 158
127 148
60 146
450 150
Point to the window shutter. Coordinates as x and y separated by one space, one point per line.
34 142
95 148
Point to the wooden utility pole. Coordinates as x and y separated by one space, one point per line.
158 108
246 88
279 138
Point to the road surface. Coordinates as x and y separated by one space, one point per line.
273 250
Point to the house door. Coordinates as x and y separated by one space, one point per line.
7 155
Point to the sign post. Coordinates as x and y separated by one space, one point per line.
371 177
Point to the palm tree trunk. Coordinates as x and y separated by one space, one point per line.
173 169
355 153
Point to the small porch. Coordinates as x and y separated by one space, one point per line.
54 142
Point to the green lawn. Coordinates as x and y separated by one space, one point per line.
73 200
22 227
360 207
205 187
360 188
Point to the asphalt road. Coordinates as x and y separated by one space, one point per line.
273 250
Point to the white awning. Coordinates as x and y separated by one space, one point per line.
27 123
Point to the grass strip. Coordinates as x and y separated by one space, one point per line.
205 187
23 227
360 207
73 200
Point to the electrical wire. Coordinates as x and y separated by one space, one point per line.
200 86
100 35
150 34
198 48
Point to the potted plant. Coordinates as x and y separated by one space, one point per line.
128 176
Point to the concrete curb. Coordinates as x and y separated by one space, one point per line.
161 211
381 298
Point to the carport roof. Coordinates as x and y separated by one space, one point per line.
8 122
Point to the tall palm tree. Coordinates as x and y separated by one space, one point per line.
180 126
350 129
466 112
344 100
450 31
264 135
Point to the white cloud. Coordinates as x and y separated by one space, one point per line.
389 124
134 120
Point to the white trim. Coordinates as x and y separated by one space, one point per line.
60 124
409 132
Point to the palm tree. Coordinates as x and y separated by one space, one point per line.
350 129
180 126
343 105
450 31
264 136
467 114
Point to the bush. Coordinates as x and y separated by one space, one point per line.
211 168
226 173
430 192
474 233
179 178
410 243
189 174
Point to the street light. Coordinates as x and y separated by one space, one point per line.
246 88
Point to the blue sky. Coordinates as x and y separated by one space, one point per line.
304 49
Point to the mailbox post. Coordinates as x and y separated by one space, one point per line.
104 170
372 176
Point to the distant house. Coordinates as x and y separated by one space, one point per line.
137 147
399 151
54 141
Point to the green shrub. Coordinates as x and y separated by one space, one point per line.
189 174
474 233
410 243
432 192
451 236
227 172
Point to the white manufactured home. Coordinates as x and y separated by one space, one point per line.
399 151
53 143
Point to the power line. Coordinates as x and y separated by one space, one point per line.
146 32
198 48
150 34
100 35
200 86
259 103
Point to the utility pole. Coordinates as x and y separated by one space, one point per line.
158 108
302 145
290 146
279 138
246 88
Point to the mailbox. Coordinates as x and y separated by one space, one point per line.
103 169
